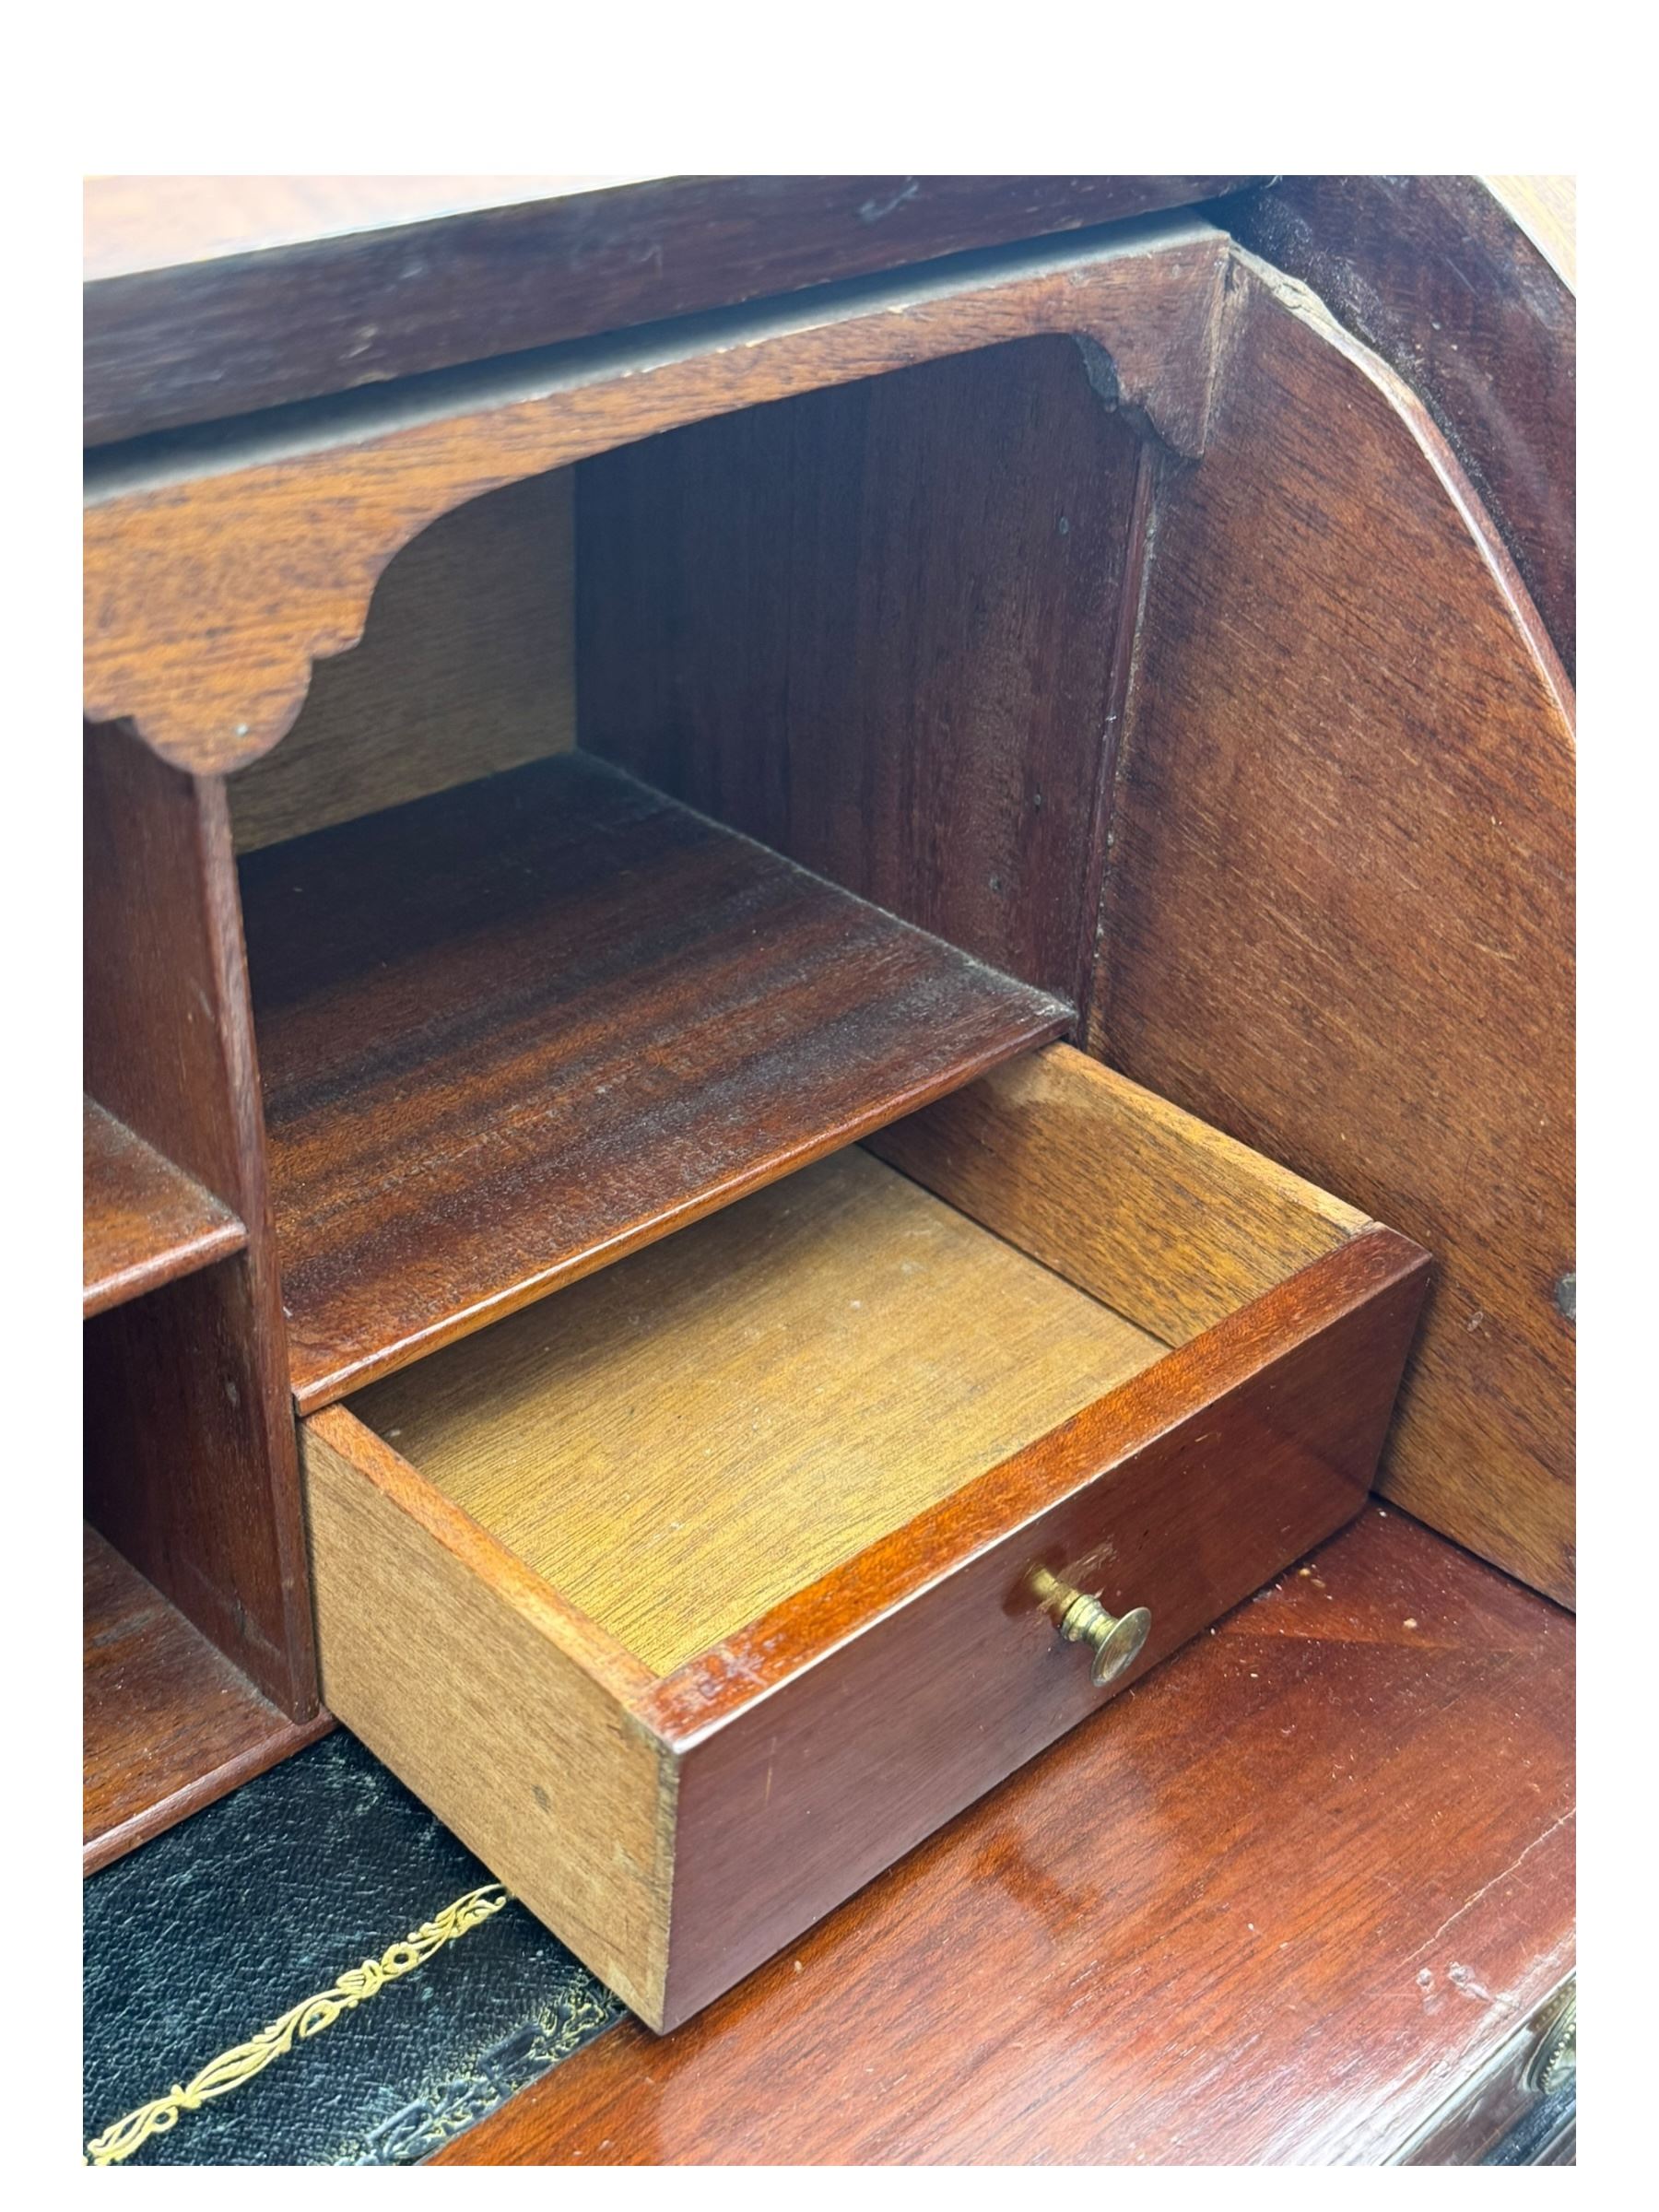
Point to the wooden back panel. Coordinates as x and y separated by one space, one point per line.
875 628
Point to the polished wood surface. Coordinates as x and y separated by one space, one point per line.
510 1033
927 1670
1465 285
185 637
465 669
1345 933
877 628
190 1463
143 1222
1146 1208
680 1444
1272 1907
168 1724
209 296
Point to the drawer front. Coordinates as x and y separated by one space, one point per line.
676 1831
886 1699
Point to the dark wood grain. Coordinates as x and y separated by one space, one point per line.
1438 274
209 296
189 1465
1338 920
900 1691
874 626
1272 1907
511 1033
143 1222
220 566
168 1724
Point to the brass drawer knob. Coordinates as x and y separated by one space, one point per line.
1114 1639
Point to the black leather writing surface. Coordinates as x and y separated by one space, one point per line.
211 1932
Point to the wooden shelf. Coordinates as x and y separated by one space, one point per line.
512 1033
143 1221
169 1724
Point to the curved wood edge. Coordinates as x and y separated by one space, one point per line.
1299 300
708 1690
1466 285
216 573
484 1556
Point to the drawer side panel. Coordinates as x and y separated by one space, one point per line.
536 1766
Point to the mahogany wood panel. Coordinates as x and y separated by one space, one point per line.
143 1220
1140 1204
219 568
467 667
168 1724
1272 1907
876 626
688 1438
1338 920
1181 1491
211 296
510 1033
162 946
191 1464
1442 278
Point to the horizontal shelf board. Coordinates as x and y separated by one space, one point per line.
143 1222
169 1724
512 1033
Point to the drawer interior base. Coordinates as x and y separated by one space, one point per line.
680 1444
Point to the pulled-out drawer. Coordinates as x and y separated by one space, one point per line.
694 1595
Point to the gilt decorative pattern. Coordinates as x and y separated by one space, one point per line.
355 1986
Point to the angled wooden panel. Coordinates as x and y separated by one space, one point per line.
511 1032
1338 919
1465 285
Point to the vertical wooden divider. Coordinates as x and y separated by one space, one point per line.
191 1465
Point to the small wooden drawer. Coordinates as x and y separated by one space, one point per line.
694 1595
